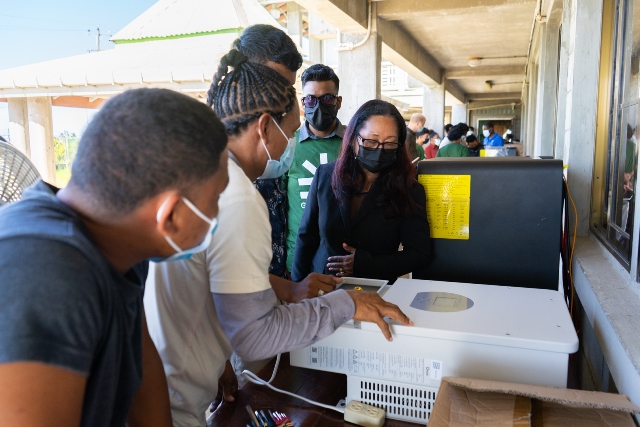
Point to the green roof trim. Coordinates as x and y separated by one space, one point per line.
179 36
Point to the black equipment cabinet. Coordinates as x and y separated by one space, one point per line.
515 223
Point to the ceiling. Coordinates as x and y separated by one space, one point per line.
449 33
498 31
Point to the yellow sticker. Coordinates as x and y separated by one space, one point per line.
448 201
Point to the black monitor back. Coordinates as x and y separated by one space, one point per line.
515 223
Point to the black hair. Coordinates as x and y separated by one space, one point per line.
424 131
432 134
320 73
143 142
472 128
448 127
249 90
263 42
396 181
457 131
471 138
489 125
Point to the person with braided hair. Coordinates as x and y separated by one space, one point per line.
267 45
229 303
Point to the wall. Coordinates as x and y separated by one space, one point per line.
608 310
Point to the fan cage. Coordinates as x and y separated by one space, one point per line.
16 173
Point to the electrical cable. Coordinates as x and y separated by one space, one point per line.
564 246
250 376
573 245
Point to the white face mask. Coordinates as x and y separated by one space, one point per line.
486 133
437 141
469 132
187 253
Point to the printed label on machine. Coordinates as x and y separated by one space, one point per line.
393 367
448 201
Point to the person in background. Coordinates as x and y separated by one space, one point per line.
508 136
491 139
422 138
416 123
74 347
455 148
363 206
431 149
231 303
446 141
471 131
474 146
317 142
267 45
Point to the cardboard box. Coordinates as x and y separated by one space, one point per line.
463 402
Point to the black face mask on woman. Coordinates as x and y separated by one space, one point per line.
376 160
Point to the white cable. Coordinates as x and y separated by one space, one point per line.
350 45
250 376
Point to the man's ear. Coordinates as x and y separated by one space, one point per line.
339 104
166 220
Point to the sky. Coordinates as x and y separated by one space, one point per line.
40 30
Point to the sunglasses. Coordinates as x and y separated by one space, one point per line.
311 101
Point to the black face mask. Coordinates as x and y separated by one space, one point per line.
376 160
321 117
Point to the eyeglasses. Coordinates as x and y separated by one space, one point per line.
327 99
372 144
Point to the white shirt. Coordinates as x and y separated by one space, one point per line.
179 307
445 141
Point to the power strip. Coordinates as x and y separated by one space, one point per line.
363 414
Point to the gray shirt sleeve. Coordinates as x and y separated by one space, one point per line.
258 328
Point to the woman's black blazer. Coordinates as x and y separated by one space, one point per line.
326 225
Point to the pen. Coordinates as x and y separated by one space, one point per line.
263 422
253 417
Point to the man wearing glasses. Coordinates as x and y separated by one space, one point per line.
319 141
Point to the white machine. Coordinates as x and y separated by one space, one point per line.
489 332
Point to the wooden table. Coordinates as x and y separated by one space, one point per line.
323 387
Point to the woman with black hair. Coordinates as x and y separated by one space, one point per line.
361 207
455 147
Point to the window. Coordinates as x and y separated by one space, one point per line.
615 167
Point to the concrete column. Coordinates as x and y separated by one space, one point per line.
315 51
433 108
582 91
547 86
294 22
458 114
41 137
19 124
359 71
524 109
563 73
532 104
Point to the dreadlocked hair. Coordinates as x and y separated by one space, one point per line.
243 93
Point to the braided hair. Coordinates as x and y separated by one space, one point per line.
241 95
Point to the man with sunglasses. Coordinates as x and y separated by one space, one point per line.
318 141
